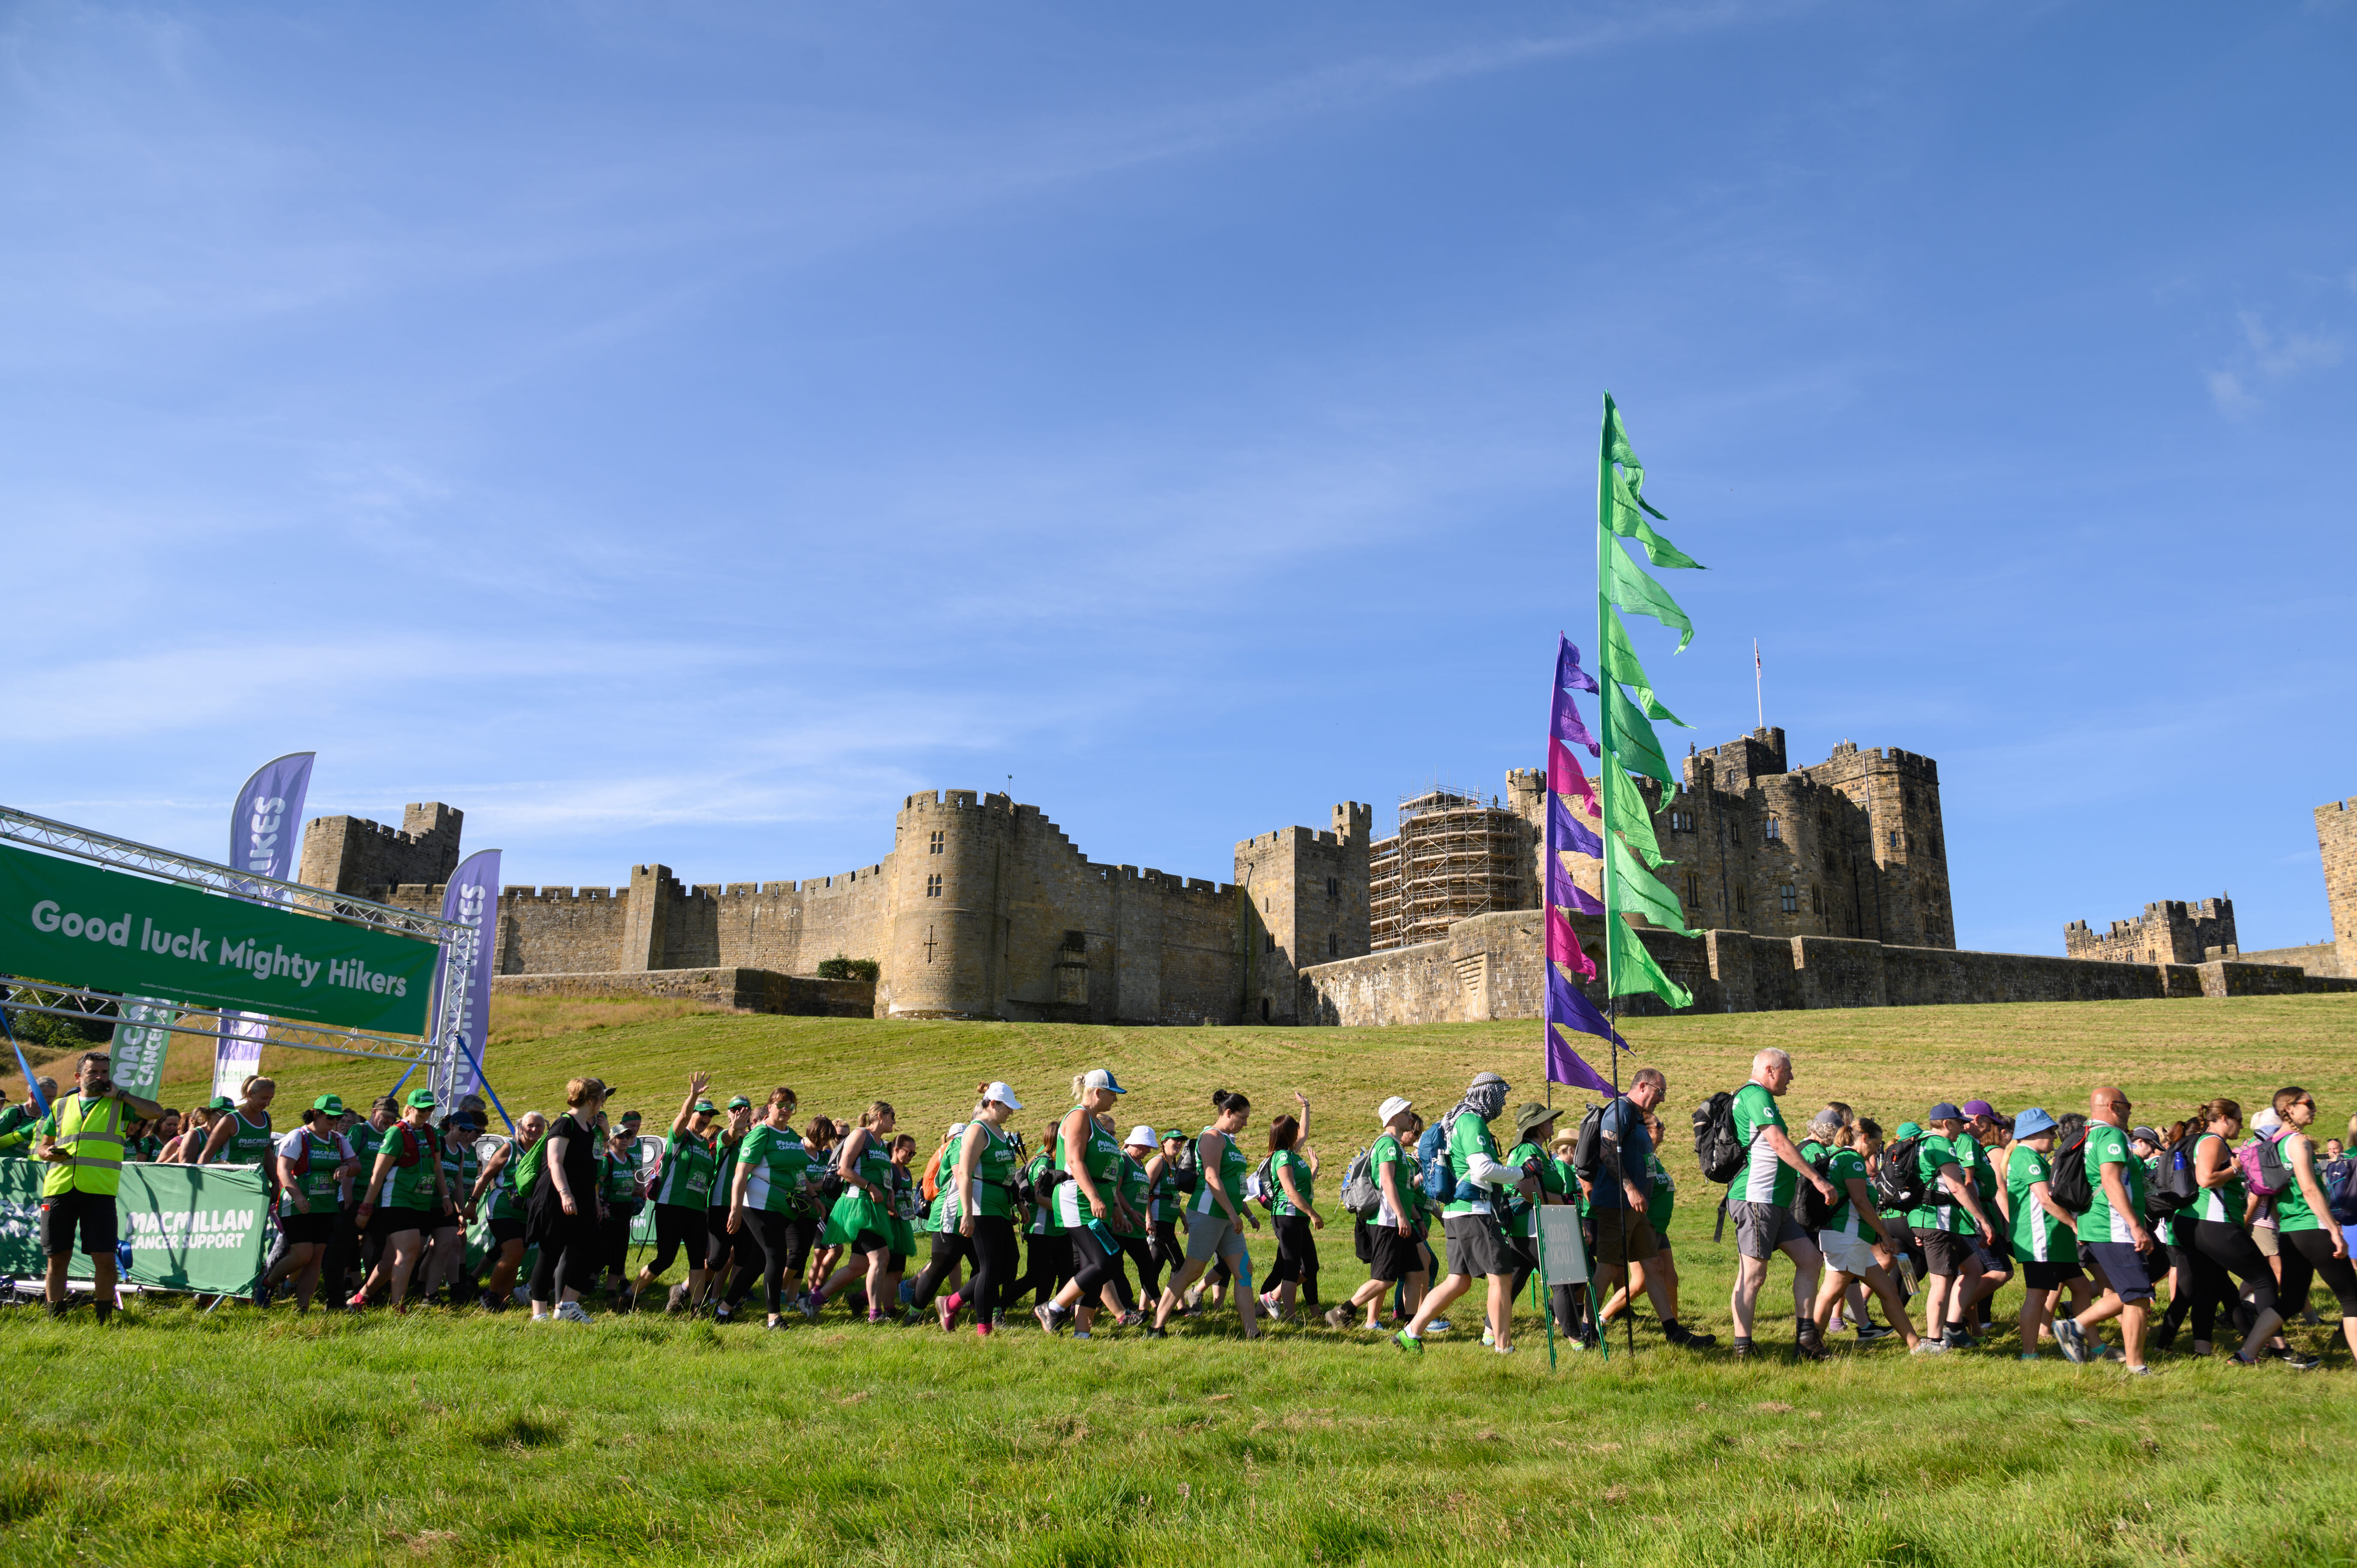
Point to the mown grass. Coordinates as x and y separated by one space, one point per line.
243 1437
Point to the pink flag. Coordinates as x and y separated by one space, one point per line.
1564 776
1562 944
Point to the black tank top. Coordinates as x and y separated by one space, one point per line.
580 1170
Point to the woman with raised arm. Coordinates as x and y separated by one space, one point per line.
1216 1217
682 1195
1086 1200
861 1221
719 1246
988 1160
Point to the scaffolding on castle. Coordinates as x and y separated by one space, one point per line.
1449 858
440 1053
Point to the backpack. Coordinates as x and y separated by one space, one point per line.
1186 1173
2068 1184
932 1185
1361 1195
1432 1157
1719 1151
1810 1211
413 1147
1587 1144
2263 1171
2172 1188
1261 1186
2340 1184
1899 1180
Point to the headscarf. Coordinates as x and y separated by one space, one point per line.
1487 1097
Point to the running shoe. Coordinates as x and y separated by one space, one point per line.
2294 1359
1132 1319
723 1313
947 1314
774 1323
1337 1317
677 1301
2143 1372
1082 1334
263 1292
572 1312
1437 1325
808 1308
1151 1332
1868 1333
2029 1356
1489 1337
359 1299
1407 1341
1049 1318
982 1331
1928 1348
2073 1340
1501 1349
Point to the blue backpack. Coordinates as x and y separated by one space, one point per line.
1432 1154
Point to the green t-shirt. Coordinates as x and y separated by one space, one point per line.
993 1173
2292 1212
776 1169
1133 1192
1523 1213
16 1131
688 1168
318 1158
1389 1151
1229 1176
2222 1204
943 1215
1100 1155
1469 1135
1663 1201
460 1166
1764 1177
1841 1164
724 1168
1043 1215
409 1186
1941 1211
1974 1162
2038 1236
249 1142
2107 1145
619 1178
1286 1160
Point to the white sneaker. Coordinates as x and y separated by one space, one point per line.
571 1312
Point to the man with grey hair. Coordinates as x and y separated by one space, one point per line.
1761 1202
1476 1245
1616 1176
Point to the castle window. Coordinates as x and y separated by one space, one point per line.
1682 821
1775 829
1894 839
937 842
1829 863
1693 891
1333 887
1742 902
1333 945
1907 796
1268 942
1816 900
1791 899
1076 942
933 885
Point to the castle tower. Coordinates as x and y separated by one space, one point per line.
352 854
2336 836
1302 899
948 948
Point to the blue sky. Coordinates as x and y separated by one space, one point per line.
676 433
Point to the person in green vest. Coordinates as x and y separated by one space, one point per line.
80 1141
861 1221
1217 1215
2313 1246
314 1161
1477 1248
445 1242
721 1245
1135 1232
404 1193
682 1192
988 1158
17 1122
951 1249
1087 1202
1394 1251
1048 1260
1852 1226
1293 1214
509 1174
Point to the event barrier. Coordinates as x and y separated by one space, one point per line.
204 1229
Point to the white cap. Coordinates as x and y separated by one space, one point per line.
1099 1078
1142 1137
2266 1121
956 1128
1392 1108
1003 1095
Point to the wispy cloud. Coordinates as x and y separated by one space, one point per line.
2268 357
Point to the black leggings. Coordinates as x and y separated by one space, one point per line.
949 1250
1293 1249
677 1226
568 1255
1094 1265
1140 1252
1050 1266
614 1242
2229 1249
994 1266
2306 1257
782 1253
2202 1287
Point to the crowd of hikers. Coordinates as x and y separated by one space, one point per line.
2097 1215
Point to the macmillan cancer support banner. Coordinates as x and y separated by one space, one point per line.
191 1227
473 899
264 824
139 1042
76 924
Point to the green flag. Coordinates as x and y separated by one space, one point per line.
1620 664
1631 819
1642 892
1627 521
1627 586
1633 969
1633 738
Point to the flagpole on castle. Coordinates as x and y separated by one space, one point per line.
1757 697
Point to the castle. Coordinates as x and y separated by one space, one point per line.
1824 886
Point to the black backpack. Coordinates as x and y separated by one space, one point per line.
2067 1186
2339 1179
1899 1179
1810 1210
1587 1146
1716 1148
2172 1188
1186 1173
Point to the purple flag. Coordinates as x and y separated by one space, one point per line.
1568 676
1568 1066
1565 894
265 824
473 899
1566 832
1569 727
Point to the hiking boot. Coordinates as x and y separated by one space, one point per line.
1337 1317
1744 1349
1151 1332
1049 1318
1809 1345
1928 1348
1685 1338
676 1302
1868 1333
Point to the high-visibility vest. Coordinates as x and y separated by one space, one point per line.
93 1141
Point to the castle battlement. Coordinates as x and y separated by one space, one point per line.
2170 930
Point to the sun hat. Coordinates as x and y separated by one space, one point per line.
1531 1114
1390 1108
1001 1094
1098 1078
2031 1123
1141 1137
1944 1112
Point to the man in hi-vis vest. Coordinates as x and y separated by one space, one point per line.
81 1140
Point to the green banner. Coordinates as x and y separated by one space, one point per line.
139 1042
74 924
203 1228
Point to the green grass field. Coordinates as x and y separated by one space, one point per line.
247 1437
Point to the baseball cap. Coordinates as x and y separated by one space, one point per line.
421 1100
1142 1136
1908 1129
333 1104
1944 1112
1101 1078
1000 1094
739 1103
632 1116
1390 1108
2146 1135
1982 1108
2031 1123
956 1128
706 1107
220 1102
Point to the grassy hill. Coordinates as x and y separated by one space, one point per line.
257 1438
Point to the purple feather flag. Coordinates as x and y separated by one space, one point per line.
1569 727
1566 832
1568 676
1565 894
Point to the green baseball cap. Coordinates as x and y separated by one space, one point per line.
739 1103
1909 1130
632 1116
331 1103
706 1107
421 1100
220 1102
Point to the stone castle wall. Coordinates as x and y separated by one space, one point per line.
2170 931
2336 836
346 854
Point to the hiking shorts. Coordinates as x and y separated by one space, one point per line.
1761 1227
91 1212
1393 1257
1210 1235
1476 1246
2036 1275
313 1229
1946 1253
2123 1268
1615 1226
1849 1254
2265 1237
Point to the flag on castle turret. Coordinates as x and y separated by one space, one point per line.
1569 1011
1632 852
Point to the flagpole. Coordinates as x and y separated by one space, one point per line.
1757 697
1604 821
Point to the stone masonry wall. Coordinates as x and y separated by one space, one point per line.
2169 932
2336 836
346 854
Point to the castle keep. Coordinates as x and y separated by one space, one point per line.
2167 932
